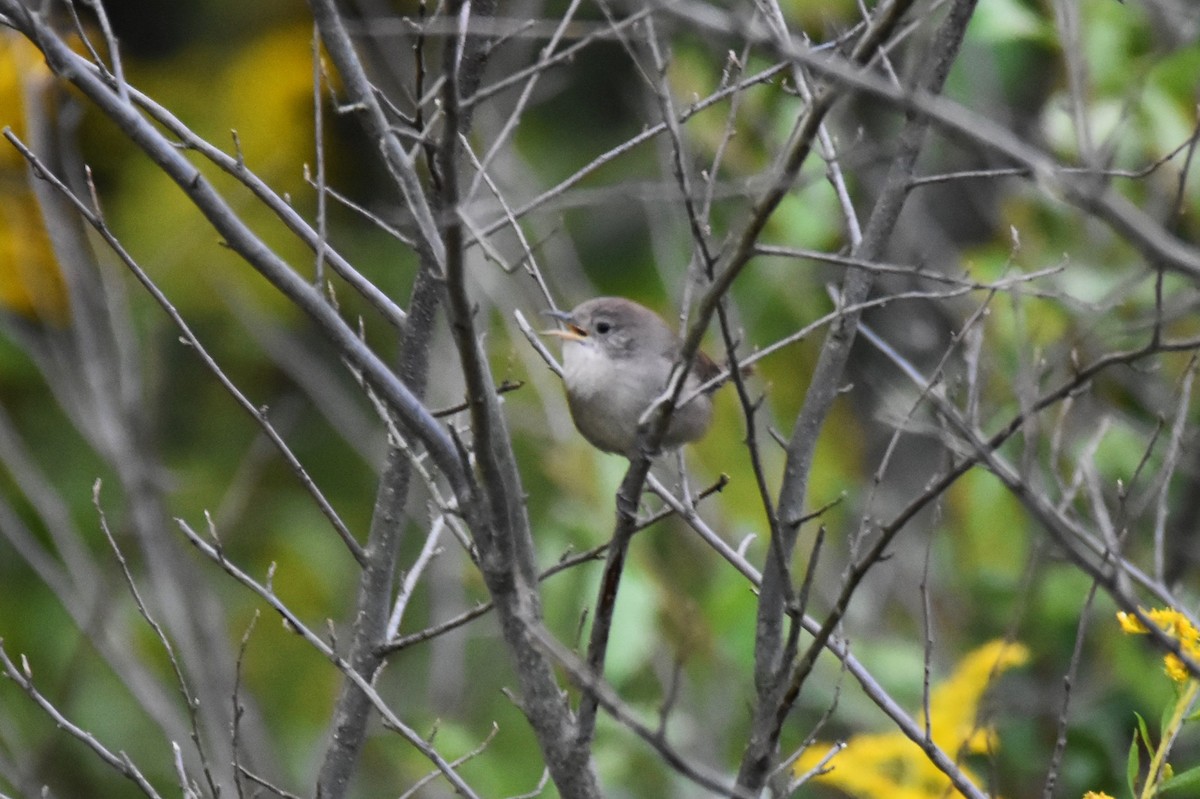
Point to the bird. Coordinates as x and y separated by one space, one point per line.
617 357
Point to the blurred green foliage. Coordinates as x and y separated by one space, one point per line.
246 67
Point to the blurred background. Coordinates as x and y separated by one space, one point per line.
96 385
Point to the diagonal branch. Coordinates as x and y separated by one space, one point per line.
494 508
70 66
120 762
1087 191
268 595
726 270
776 691
502 533
94 218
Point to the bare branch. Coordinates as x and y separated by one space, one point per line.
189 699
267 595
1144 233
259 414
119 762
776 682
242 239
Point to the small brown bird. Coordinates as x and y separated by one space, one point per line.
617 358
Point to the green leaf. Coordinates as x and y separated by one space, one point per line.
1186 779
1145 733
1008 20
1167 714
1131 766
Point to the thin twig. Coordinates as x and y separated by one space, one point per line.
763 76
264 783
1060 739
564 564
293 622
584 676
1144 233
1170 462
94 218
191 702
241 238
120 762
1064 530
427 553
433 775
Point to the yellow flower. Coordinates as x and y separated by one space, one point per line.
1130 624
1096 794
1177 626
31 283
890 766
953 704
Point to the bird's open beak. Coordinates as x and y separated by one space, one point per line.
572 333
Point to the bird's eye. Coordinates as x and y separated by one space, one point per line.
603 327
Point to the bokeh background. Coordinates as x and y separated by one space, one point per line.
987 571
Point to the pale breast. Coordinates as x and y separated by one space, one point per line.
607 398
